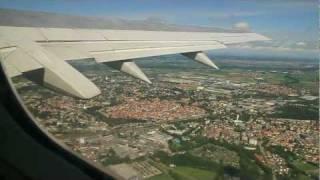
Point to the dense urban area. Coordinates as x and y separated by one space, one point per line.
251 121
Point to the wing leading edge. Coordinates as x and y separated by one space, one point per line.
41 54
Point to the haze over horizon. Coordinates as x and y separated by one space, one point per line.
292 24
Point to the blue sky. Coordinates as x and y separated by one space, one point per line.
291 23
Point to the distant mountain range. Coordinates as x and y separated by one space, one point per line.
11 17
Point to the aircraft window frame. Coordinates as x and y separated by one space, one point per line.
14 105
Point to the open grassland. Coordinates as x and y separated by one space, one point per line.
185 173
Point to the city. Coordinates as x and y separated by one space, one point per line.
191 123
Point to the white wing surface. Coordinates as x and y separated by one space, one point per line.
41 53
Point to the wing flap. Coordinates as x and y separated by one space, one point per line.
68 52
115 55
85 50
117 45
132 35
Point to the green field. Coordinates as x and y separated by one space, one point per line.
161 177
303 177
306 79
185 173
304 166
194 173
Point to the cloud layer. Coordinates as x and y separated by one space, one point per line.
242 26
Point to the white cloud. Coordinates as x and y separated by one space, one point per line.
224 14
277 46
241 26
301 44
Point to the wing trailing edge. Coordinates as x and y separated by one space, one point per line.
41 54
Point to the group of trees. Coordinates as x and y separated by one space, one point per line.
250 168
297 111
290 157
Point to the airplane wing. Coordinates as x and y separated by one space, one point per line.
41 54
